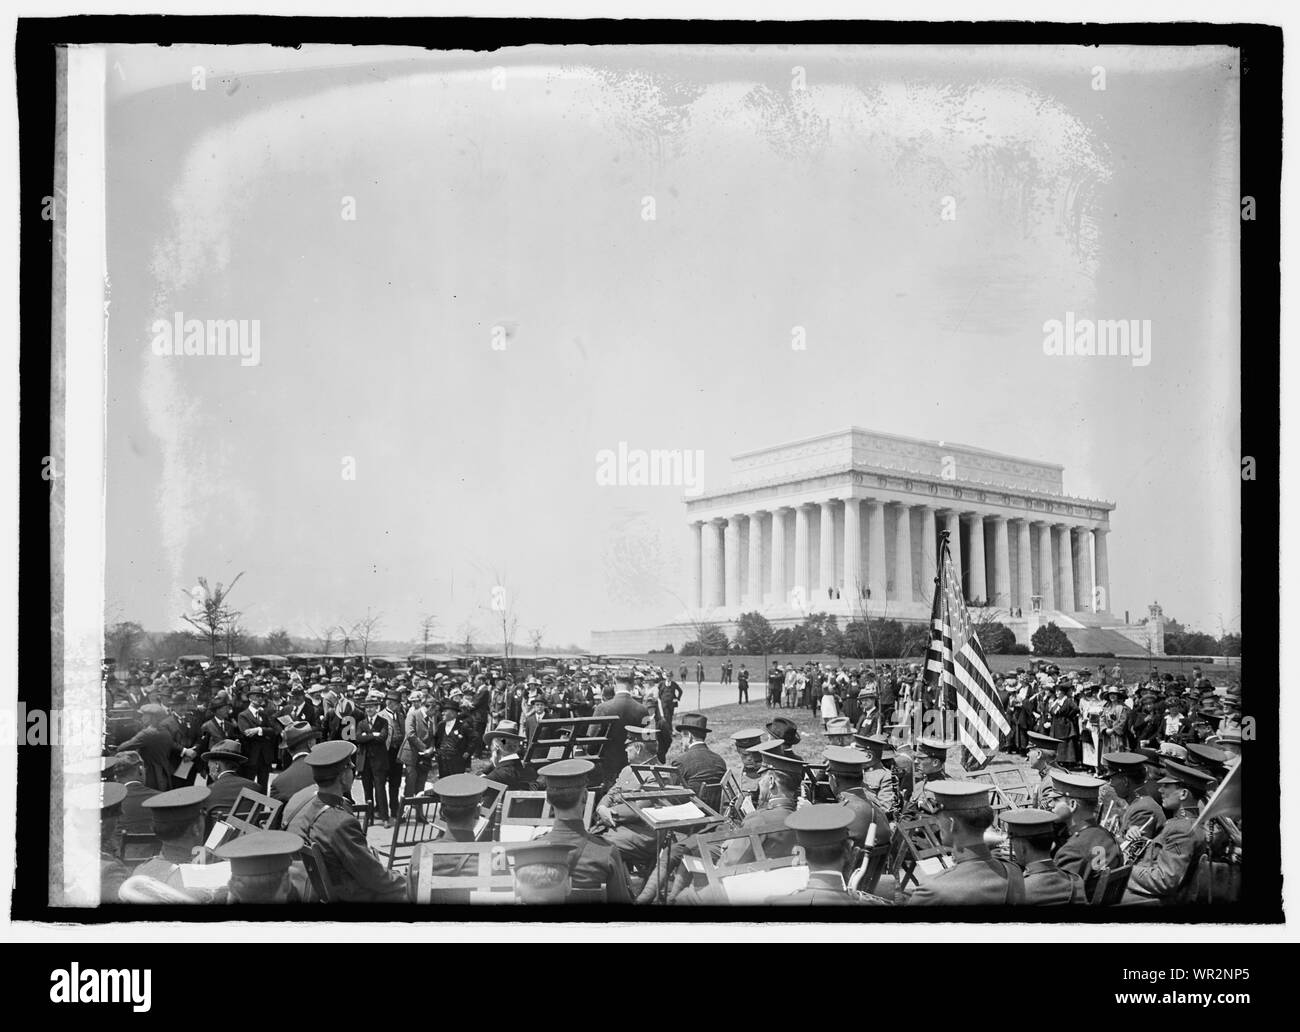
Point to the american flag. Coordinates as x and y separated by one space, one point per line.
955 665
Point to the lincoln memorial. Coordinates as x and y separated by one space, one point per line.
848 523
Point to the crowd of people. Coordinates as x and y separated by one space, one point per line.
1120 774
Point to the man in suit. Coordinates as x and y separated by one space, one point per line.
698 764
1031 837
742 684
326 820
219 727
976 877
670 694
453 740
1090 849
154 746
417 748
299 740
509 769
259 732
595 864
302 709
394 723
619 704
372 756
224 762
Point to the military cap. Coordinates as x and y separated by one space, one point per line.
260 852
180 804
1044 742
296 734
1188 777
1077 786
1172 750
840 759
1225 734
697 723
1208 758
645 734
1028 822
228 751
959 795
459 788
747 737
567 773
933 748
330 754
106 797
1132 764
775 759
525 854
877 745
822 824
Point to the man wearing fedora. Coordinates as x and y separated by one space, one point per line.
224 761
299 739
154 745
417 749
509 769
372 755
259 732
698 764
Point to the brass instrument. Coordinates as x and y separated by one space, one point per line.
1135 847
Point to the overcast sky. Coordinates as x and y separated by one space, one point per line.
521 207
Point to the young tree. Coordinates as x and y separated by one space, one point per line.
535 636
210 614
123 640
426 630
366 630
467 634
278 643
324 639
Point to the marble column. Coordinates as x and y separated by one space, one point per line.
929 553
852 550
778 557
1102 560
978 584
1046 566
1025 562
826 551
903 554
755 560
877 575
731 559
1083 568
712 564
952 524
1065 571
694 558
1001 564
801 551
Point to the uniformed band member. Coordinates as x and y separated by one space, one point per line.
822 832
178 826
263 868
595 863
1031 836
744 740
927 766
876 778
1090 849
541 871
1132 818
1168 864
327 820
870 821
1041 758
977 876
459 796
105 798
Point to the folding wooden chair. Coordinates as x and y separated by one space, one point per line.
723 880
531 810
135 847
655 775
733 798
410 830
915 841
483 875
563 738
252 811
869 867
1110 886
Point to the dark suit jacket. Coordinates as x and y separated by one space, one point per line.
700 765
306 711
224 791
628 711
513 774
294 777
452 749
372 748
260 749
155 746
